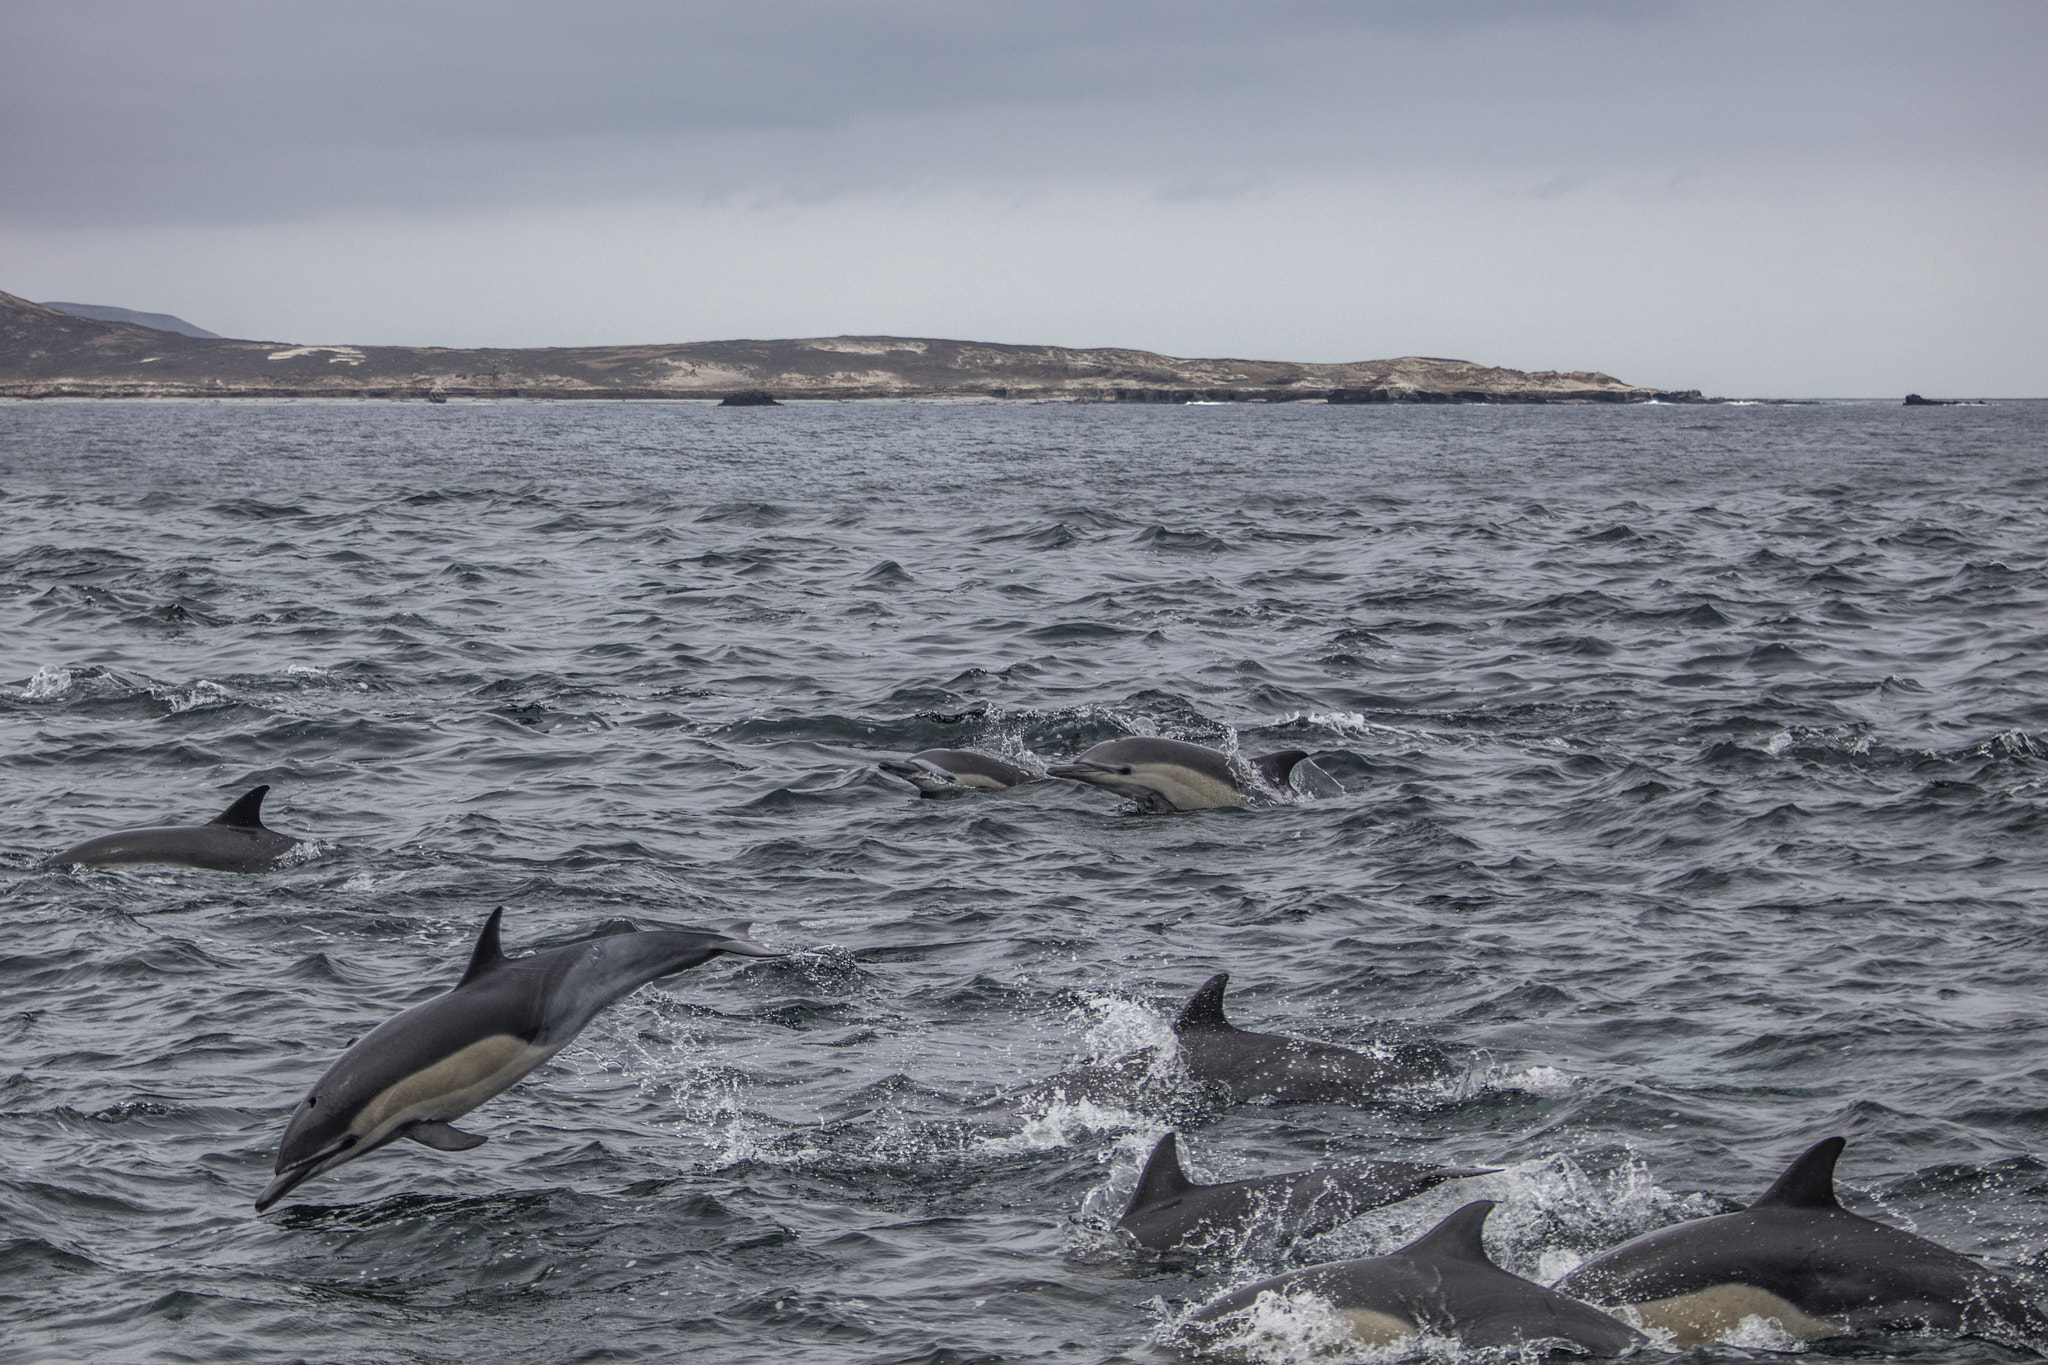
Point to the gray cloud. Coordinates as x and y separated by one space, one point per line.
1760 196
234 111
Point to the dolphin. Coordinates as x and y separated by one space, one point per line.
1170 774
1441 1284
1796 1257
437 1061
1169 1212
235 841
1242 1064
941 772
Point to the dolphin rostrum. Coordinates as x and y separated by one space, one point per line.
1799 1259
1171 774
435 1062
1243 1064
235 841
1441 1284
942 772
1169 1212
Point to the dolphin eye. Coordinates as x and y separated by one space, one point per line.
1126 770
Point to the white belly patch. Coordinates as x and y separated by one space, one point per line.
1719 1312
1375 1329
1186 788
452 1086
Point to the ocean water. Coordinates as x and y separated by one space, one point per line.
1679 797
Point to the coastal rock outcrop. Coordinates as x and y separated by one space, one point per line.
45 352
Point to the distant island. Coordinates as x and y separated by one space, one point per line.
49 351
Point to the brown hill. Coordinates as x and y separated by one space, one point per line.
46 354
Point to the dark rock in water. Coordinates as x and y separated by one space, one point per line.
749 398
1564 391
1914 400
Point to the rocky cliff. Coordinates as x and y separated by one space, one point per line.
46 353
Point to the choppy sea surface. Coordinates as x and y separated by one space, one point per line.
1679 797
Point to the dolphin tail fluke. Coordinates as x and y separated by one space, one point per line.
655 953
1457 1238
247 813
1205 1006
1277 769
738 939
1809 1182
1163 1178
489 952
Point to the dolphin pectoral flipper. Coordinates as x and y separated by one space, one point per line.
1278 769
444 1137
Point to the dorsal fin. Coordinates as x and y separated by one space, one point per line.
1163 1178
488 953
1205 1006
246 813
1457 1237
1277 768
1808 1183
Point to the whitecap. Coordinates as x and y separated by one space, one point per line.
48 682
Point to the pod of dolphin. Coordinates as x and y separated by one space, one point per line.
1795 1259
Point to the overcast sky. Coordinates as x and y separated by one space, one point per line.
1771 198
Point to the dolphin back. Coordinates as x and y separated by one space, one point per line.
1441 1283
236 840
1821 1270
216 847
588 976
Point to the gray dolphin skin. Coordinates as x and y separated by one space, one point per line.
1243 1064
235 841
1441 1284
1169 1212
944 772
437 1061
1799 1259
1171 774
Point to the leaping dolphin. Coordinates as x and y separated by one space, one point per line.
1796 1257
1243 1064
1171 774
943 772
235 841
437 1061
1441 1284
1169 1212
